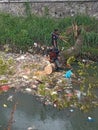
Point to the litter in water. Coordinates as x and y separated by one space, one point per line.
4 105
90 119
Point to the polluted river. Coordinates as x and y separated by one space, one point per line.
31 102
30 114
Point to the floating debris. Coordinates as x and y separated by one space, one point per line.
28 89
32 128
10 98
4 105
90 119
71 110
55 105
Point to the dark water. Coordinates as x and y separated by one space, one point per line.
30 113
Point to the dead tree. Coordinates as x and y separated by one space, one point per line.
76 48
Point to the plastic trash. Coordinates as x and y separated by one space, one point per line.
78 94
25 77
4 88
30 128
21 58
28 89
55 105
54 93
35 44
90 119
4 105
71 110
10 98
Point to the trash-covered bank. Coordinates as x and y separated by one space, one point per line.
26 73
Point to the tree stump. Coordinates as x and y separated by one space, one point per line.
49 68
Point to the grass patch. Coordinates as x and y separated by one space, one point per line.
24 31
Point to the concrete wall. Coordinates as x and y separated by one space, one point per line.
53 8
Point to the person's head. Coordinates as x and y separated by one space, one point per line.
56 31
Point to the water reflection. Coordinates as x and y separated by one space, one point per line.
30 114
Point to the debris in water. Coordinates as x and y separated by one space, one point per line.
55 105
90 119
30 128
10 98
4 105
28 89
71 110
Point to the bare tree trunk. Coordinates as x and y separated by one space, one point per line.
74 50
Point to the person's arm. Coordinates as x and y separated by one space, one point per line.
54 43
54 39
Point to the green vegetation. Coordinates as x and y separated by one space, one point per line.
5 66
22 32
85 100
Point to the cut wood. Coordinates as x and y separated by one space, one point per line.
49 68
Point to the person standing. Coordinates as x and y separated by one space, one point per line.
55 36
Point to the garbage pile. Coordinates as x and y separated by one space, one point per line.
25 72
21 71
